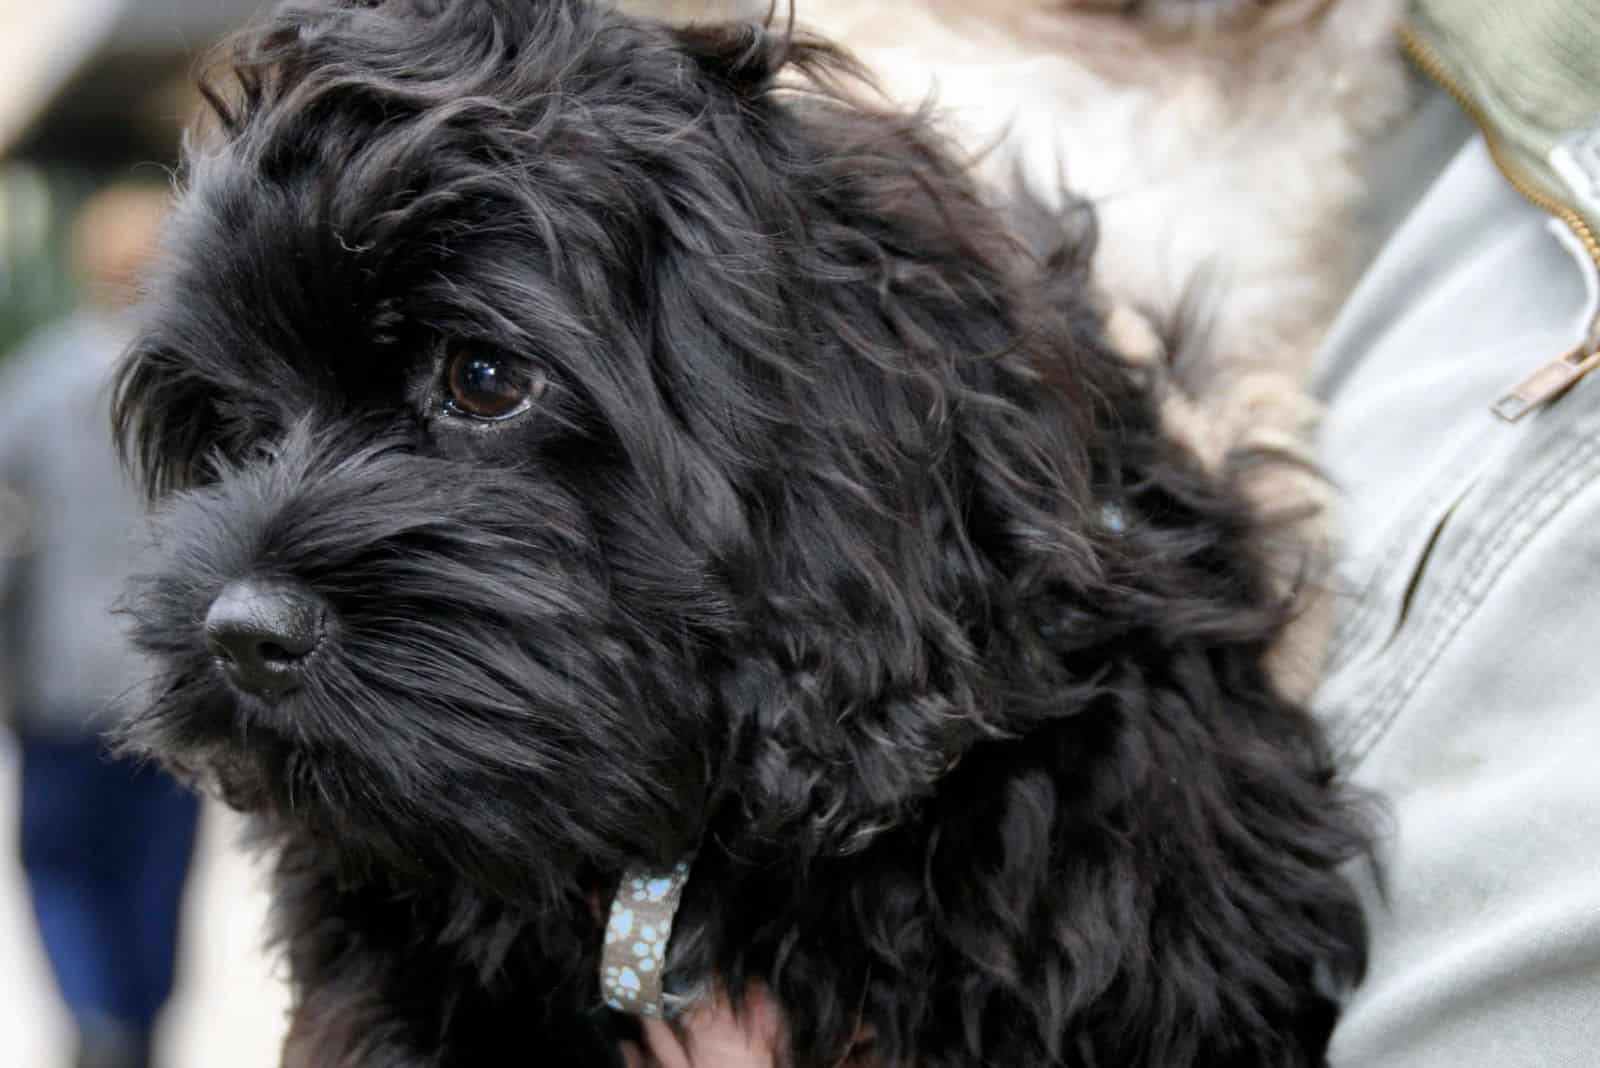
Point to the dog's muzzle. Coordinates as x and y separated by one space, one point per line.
263 632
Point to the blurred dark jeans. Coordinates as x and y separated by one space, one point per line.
106 846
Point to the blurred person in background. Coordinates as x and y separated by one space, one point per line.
105 844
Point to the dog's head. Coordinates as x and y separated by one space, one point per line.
569 430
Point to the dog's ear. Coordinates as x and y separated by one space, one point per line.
744 56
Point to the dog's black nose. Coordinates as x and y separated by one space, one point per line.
262 631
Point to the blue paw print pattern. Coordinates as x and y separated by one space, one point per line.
635 955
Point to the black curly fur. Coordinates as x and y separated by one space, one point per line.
840 547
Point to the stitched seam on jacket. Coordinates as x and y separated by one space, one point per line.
1360 635
1402 648
1480 565
1359 631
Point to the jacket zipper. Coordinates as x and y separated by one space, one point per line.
1423 55
1562 373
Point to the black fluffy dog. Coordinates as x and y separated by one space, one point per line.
586 444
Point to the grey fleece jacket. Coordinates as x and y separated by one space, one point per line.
68 528
1465 679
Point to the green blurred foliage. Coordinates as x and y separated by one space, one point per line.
36 283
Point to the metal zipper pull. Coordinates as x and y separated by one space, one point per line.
1549 381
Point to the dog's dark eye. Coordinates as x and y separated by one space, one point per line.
484 387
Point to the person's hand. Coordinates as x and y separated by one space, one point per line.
712 1036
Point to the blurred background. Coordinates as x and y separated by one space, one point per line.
131 923
93 94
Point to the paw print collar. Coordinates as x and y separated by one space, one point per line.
633 962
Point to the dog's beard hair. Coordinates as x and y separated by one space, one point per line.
462 622
840 544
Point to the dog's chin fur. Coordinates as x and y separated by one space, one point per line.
840 546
